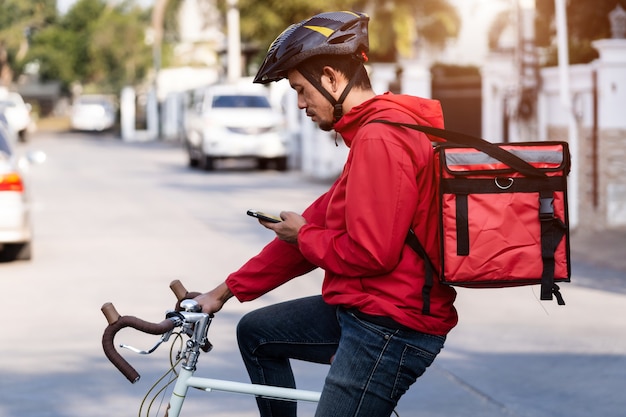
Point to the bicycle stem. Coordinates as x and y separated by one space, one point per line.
196 325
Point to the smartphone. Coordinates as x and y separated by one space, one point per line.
264 216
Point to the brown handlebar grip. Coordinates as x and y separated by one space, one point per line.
116 359
110 313
179 289
129 321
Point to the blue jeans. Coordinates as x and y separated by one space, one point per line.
373 365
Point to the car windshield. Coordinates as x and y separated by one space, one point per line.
93 101
240 101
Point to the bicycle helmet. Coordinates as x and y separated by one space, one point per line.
331 33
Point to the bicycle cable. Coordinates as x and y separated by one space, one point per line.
174 361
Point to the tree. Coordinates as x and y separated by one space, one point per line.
94 44
119 54
433 21
18 21
586 21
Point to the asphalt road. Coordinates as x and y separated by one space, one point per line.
117 222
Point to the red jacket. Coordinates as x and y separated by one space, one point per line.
356 231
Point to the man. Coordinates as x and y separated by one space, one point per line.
371 321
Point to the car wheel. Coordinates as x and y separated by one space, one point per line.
192 162
262 163
16 252
207 163
281 163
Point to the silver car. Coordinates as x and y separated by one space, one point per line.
235 121
15 220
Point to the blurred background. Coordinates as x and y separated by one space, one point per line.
153 142
509 70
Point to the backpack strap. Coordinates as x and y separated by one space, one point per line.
552 228
457 138
429 269
552 231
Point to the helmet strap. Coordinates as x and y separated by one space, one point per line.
337 104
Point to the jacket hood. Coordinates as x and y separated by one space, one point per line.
418 110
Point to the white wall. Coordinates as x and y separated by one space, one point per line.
553 122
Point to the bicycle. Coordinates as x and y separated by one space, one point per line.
194 325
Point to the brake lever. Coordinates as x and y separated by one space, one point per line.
164 338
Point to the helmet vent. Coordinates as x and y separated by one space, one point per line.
341 39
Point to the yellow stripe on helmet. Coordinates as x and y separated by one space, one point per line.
321 29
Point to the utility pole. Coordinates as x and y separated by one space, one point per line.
566 102
234 42
153 118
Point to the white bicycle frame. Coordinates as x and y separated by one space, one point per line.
195 324
186 380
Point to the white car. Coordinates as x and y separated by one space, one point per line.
93 112
235 121
17 113
15 221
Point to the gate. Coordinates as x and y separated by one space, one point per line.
459 91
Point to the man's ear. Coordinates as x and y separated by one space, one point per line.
331 79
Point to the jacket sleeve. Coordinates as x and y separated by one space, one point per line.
380 202
277 263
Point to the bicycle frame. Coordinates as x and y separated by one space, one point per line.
195 324
186 380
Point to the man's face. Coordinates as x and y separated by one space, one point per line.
317 107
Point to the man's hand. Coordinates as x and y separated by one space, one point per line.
214 300
288 229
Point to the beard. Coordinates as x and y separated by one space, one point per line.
325 125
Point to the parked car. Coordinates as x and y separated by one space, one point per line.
93 112
16 233
17 113
5 129
235 121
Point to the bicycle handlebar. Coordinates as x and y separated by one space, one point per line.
117 323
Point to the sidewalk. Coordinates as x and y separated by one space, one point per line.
605 248
599 260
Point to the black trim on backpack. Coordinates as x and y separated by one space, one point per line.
429 269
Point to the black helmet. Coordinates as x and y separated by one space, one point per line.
332 33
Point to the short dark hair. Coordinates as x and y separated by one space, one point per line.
348 65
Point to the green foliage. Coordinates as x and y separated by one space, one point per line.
433 21
117 51
262 21
94 43
55 51
586 21
429 22
18 21
101 43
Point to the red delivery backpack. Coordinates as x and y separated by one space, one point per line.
503 217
